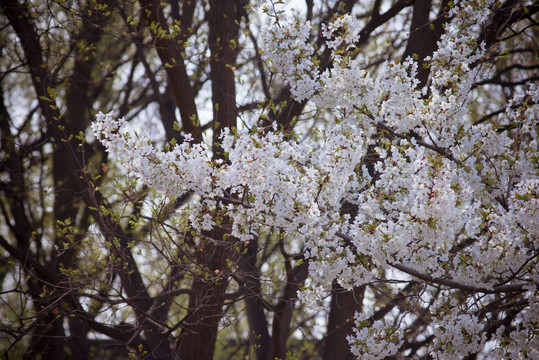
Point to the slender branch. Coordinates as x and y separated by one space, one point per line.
456 285
445 282
171 57
26 259
434 147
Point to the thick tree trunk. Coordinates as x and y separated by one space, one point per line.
197 340
423 35
344 304
258 325
48 339
223 20
283 313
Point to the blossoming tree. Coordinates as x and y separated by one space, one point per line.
397 180
447 213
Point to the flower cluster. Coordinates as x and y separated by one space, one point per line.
287 49
343 30
374 340
457 336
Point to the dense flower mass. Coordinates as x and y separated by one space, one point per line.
449 203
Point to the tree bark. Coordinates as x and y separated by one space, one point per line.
197 340
282 317
343 306
223 19
424 35
258 325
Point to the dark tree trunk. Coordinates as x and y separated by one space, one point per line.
344 304
423 35
283 313
48 338
223 20
197 340
258 325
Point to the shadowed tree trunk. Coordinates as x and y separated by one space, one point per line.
254 303
343 306
205 305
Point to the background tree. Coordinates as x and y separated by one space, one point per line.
97 264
